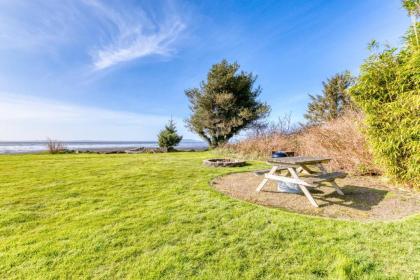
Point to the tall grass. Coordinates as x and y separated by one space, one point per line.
339 139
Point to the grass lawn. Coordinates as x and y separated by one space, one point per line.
155 216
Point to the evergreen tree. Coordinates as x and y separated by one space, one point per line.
169 137
334 100
225 104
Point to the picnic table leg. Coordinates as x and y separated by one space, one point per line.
307 169
265 180
299 169
333 183
322 168
337 188
303 188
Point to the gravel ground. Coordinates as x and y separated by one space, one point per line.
366 198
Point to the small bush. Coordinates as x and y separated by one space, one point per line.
55 147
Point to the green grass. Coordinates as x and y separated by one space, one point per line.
155 216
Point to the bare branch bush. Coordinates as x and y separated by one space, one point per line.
340 139
260 142
54 146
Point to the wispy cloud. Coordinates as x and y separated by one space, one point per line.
106 34
135 34
30 118
136 46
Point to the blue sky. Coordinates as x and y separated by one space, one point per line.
117 70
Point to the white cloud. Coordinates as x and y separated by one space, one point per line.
135 34
28 118
110 34
140 45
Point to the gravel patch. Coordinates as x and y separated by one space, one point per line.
367 198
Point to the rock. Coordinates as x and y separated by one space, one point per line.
223 162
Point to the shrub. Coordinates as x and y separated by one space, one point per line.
260 142
340 139
55 147
168 137
388 91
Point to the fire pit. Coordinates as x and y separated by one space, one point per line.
223 162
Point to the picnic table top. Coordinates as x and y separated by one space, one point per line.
299 160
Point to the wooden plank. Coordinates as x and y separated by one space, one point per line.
287 180
326 177
264 171
299 160
282 165
333 183
308 196
265 180
304 189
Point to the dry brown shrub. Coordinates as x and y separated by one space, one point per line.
340 139
259 144
260 147
54 146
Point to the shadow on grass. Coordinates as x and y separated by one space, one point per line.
357 197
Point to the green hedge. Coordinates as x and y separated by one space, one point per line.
388 91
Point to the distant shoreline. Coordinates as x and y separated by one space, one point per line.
104 150
9 148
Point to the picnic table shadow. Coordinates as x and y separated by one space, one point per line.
357 197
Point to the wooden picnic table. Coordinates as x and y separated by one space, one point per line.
298 165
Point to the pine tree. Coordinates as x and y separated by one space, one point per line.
334 100
169 137
225 104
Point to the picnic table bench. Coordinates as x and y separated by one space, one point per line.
297 165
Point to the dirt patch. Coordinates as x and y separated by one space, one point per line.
366 198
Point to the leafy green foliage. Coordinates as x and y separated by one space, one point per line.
224 104
412 6
334 100
413 9
169 137
154 216
388 91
